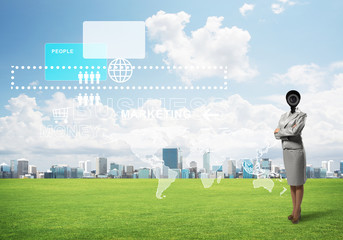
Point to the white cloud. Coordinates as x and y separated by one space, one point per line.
338 80
277 8
281 5
211 45
336 66
309 75
248 127
246 8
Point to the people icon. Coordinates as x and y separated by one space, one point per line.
91 99
97 76
86 77
88 100
85 100
91 76
97 99
80 76
79 99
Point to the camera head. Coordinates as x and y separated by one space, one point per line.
293 98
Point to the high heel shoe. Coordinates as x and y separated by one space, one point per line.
295 220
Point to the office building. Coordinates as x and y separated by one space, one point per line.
77 172
185 173
14 168
323 172
33 170
114 173
229 168
309 171
5 171
144 173
5 168
283 173
82 165
129 169
325 164
114 166
48 174
206 161
60 171
172 157
316 172
266 164
88 166
23 167
101 166
193 169
330 167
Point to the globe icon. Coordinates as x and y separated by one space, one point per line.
120 70
248 166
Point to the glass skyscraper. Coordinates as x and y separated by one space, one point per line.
171 158
101 166
206 161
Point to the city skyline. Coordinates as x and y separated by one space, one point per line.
231 104
229 167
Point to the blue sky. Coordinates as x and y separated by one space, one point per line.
305 33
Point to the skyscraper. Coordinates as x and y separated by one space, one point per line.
325 164
330 170
171 157
5 171
88 166
114 166
341 166
33 170
206 161
82 165
14 168
330 166
229 168
144 173
101 166
193 169
23 167
129 170
266 164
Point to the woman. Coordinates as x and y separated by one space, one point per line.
289 132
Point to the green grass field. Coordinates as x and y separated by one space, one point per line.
128 209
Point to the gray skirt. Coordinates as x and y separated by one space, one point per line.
295 165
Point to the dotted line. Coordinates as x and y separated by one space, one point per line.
139 67
119 88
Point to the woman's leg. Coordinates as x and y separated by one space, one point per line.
293 194
298 199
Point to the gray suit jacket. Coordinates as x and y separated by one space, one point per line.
290 134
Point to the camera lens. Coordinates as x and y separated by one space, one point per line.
293 100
